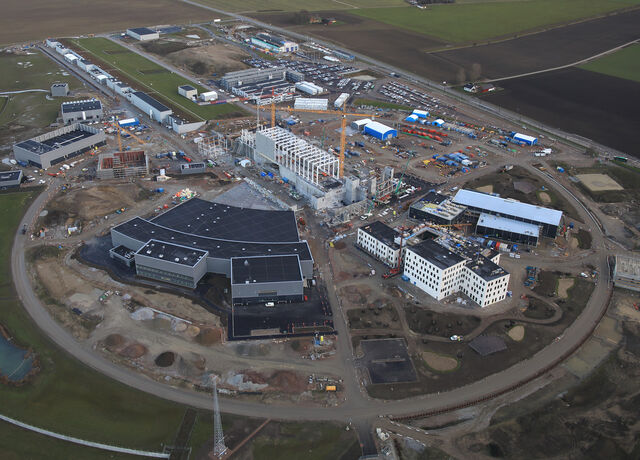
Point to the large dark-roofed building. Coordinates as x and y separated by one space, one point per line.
267 239
155 109
54 147
266 279
231 223
143 33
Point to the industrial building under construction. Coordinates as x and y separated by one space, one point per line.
315 173
122 164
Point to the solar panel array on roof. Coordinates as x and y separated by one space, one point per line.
508 207
81 106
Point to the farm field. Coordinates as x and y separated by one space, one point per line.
38 19
458 23
257 6
541 51
622 64
589 104
406 49
21 115
151 78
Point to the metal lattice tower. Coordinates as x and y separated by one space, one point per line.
219 448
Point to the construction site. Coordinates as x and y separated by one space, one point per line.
423 244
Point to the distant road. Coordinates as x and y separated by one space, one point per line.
6 93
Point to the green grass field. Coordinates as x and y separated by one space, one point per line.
622 64
32 71
470 22
151 78
66 396
274 6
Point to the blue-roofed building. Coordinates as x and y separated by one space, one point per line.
379 131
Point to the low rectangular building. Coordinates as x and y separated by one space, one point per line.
264 279
484 281
79 111
10 179
187 91
436 208
156 110
171 263
626 273
380 241
310 103
478 203
56 146
515 231
143 34
380 131
60 90
192 168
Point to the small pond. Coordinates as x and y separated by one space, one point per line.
15 362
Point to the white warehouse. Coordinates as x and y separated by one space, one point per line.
310 88
143 34
156 110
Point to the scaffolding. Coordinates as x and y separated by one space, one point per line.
212 147
119 165
297 155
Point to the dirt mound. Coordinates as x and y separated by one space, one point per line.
340 245
114 342
209 336
288 381
134 351
255 377
165 359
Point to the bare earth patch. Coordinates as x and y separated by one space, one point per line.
544 197
516 333
439 362
599 182
485 189
564 284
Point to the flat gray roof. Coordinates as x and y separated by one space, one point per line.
509 225
142 30
507 206
437 254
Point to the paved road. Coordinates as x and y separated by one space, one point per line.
358 407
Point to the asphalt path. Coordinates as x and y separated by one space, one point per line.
358 407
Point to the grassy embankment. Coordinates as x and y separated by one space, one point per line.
151 78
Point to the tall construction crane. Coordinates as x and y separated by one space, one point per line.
343 128
118 129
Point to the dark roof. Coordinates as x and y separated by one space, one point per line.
151 101
215 220
172 252
55 142
142 30
192 166
268 269
142 230
486 269
433 197
487 344
7 176
123 251
187 87
81 106
438 255
382 232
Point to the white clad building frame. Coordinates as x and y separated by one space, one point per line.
378 249
297 155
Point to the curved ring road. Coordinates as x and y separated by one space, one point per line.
357 406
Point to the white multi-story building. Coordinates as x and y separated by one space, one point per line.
380 241
440 273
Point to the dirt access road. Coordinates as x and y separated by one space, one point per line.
358 407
